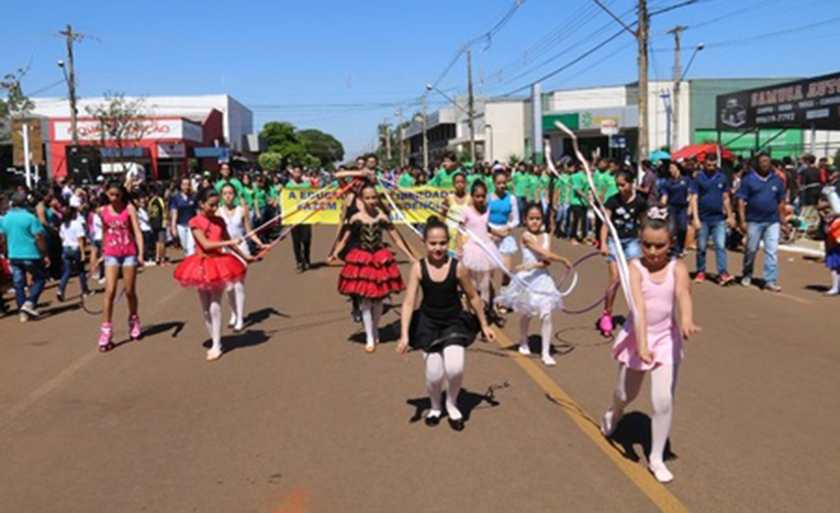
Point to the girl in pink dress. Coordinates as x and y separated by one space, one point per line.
122 250
475 255
651 339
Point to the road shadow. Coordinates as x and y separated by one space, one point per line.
156 329
822 289
388 333
635 430
67 307
262 315
249 338
467 402
535 346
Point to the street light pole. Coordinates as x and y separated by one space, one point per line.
425 137
400 134
471 106
675 142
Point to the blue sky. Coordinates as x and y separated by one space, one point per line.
343 66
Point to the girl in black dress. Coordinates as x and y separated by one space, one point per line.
441 328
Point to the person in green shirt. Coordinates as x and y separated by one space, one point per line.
443 178
476 175
406 179
247 196
227 177
521 185
562 193
488 181
578 206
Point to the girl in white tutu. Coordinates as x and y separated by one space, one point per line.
541 296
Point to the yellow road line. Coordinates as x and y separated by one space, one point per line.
657 493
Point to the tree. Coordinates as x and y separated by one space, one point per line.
324 147
271 161
281 138
16 104
122 121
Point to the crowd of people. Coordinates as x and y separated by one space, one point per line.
642 224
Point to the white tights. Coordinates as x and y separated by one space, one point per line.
663 383
236 297
451 363
371 313
546 330
211 305
481 280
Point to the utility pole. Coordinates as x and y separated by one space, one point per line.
425 137
643 80
388 141
471 106
676 31
400 135
71 80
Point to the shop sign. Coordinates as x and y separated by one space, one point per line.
799 104
172 151
151 129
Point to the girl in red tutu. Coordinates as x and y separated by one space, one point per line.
213 266
370 271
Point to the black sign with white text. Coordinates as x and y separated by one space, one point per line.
800 104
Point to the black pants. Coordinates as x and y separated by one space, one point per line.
578 226
302 241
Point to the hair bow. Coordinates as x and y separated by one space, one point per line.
657 213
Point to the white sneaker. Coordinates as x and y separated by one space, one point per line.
524 350
23 317
746 281
29 309
549 361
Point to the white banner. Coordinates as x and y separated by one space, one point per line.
153 129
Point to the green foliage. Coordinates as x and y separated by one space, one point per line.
310 148
514 159
16 104
837 159
271 161
324 147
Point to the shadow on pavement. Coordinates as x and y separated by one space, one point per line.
388 333
467 402
634 430
242 340
155 329
262 315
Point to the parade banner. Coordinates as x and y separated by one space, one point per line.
328 209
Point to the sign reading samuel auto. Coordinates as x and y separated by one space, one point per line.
91 130
813 101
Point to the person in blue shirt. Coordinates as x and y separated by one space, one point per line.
182 209
674 195
711 211
28 253
761 205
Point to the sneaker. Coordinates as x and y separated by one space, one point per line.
725 279
700 278
151 263
23 317
357 316
29 310
746 281
106 333
60 296
101 281
134 330
606 323
772 287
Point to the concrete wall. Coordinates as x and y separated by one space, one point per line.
507 132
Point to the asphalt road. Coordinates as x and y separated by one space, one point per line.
296 417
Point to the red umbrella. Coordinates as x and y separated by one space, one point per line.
699 151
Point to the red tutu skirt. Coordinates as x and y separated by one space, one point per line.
5 272
370 275
209 271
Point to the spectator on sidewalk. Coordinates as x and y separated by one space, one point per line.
810 182
711 210
27 246
761 204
